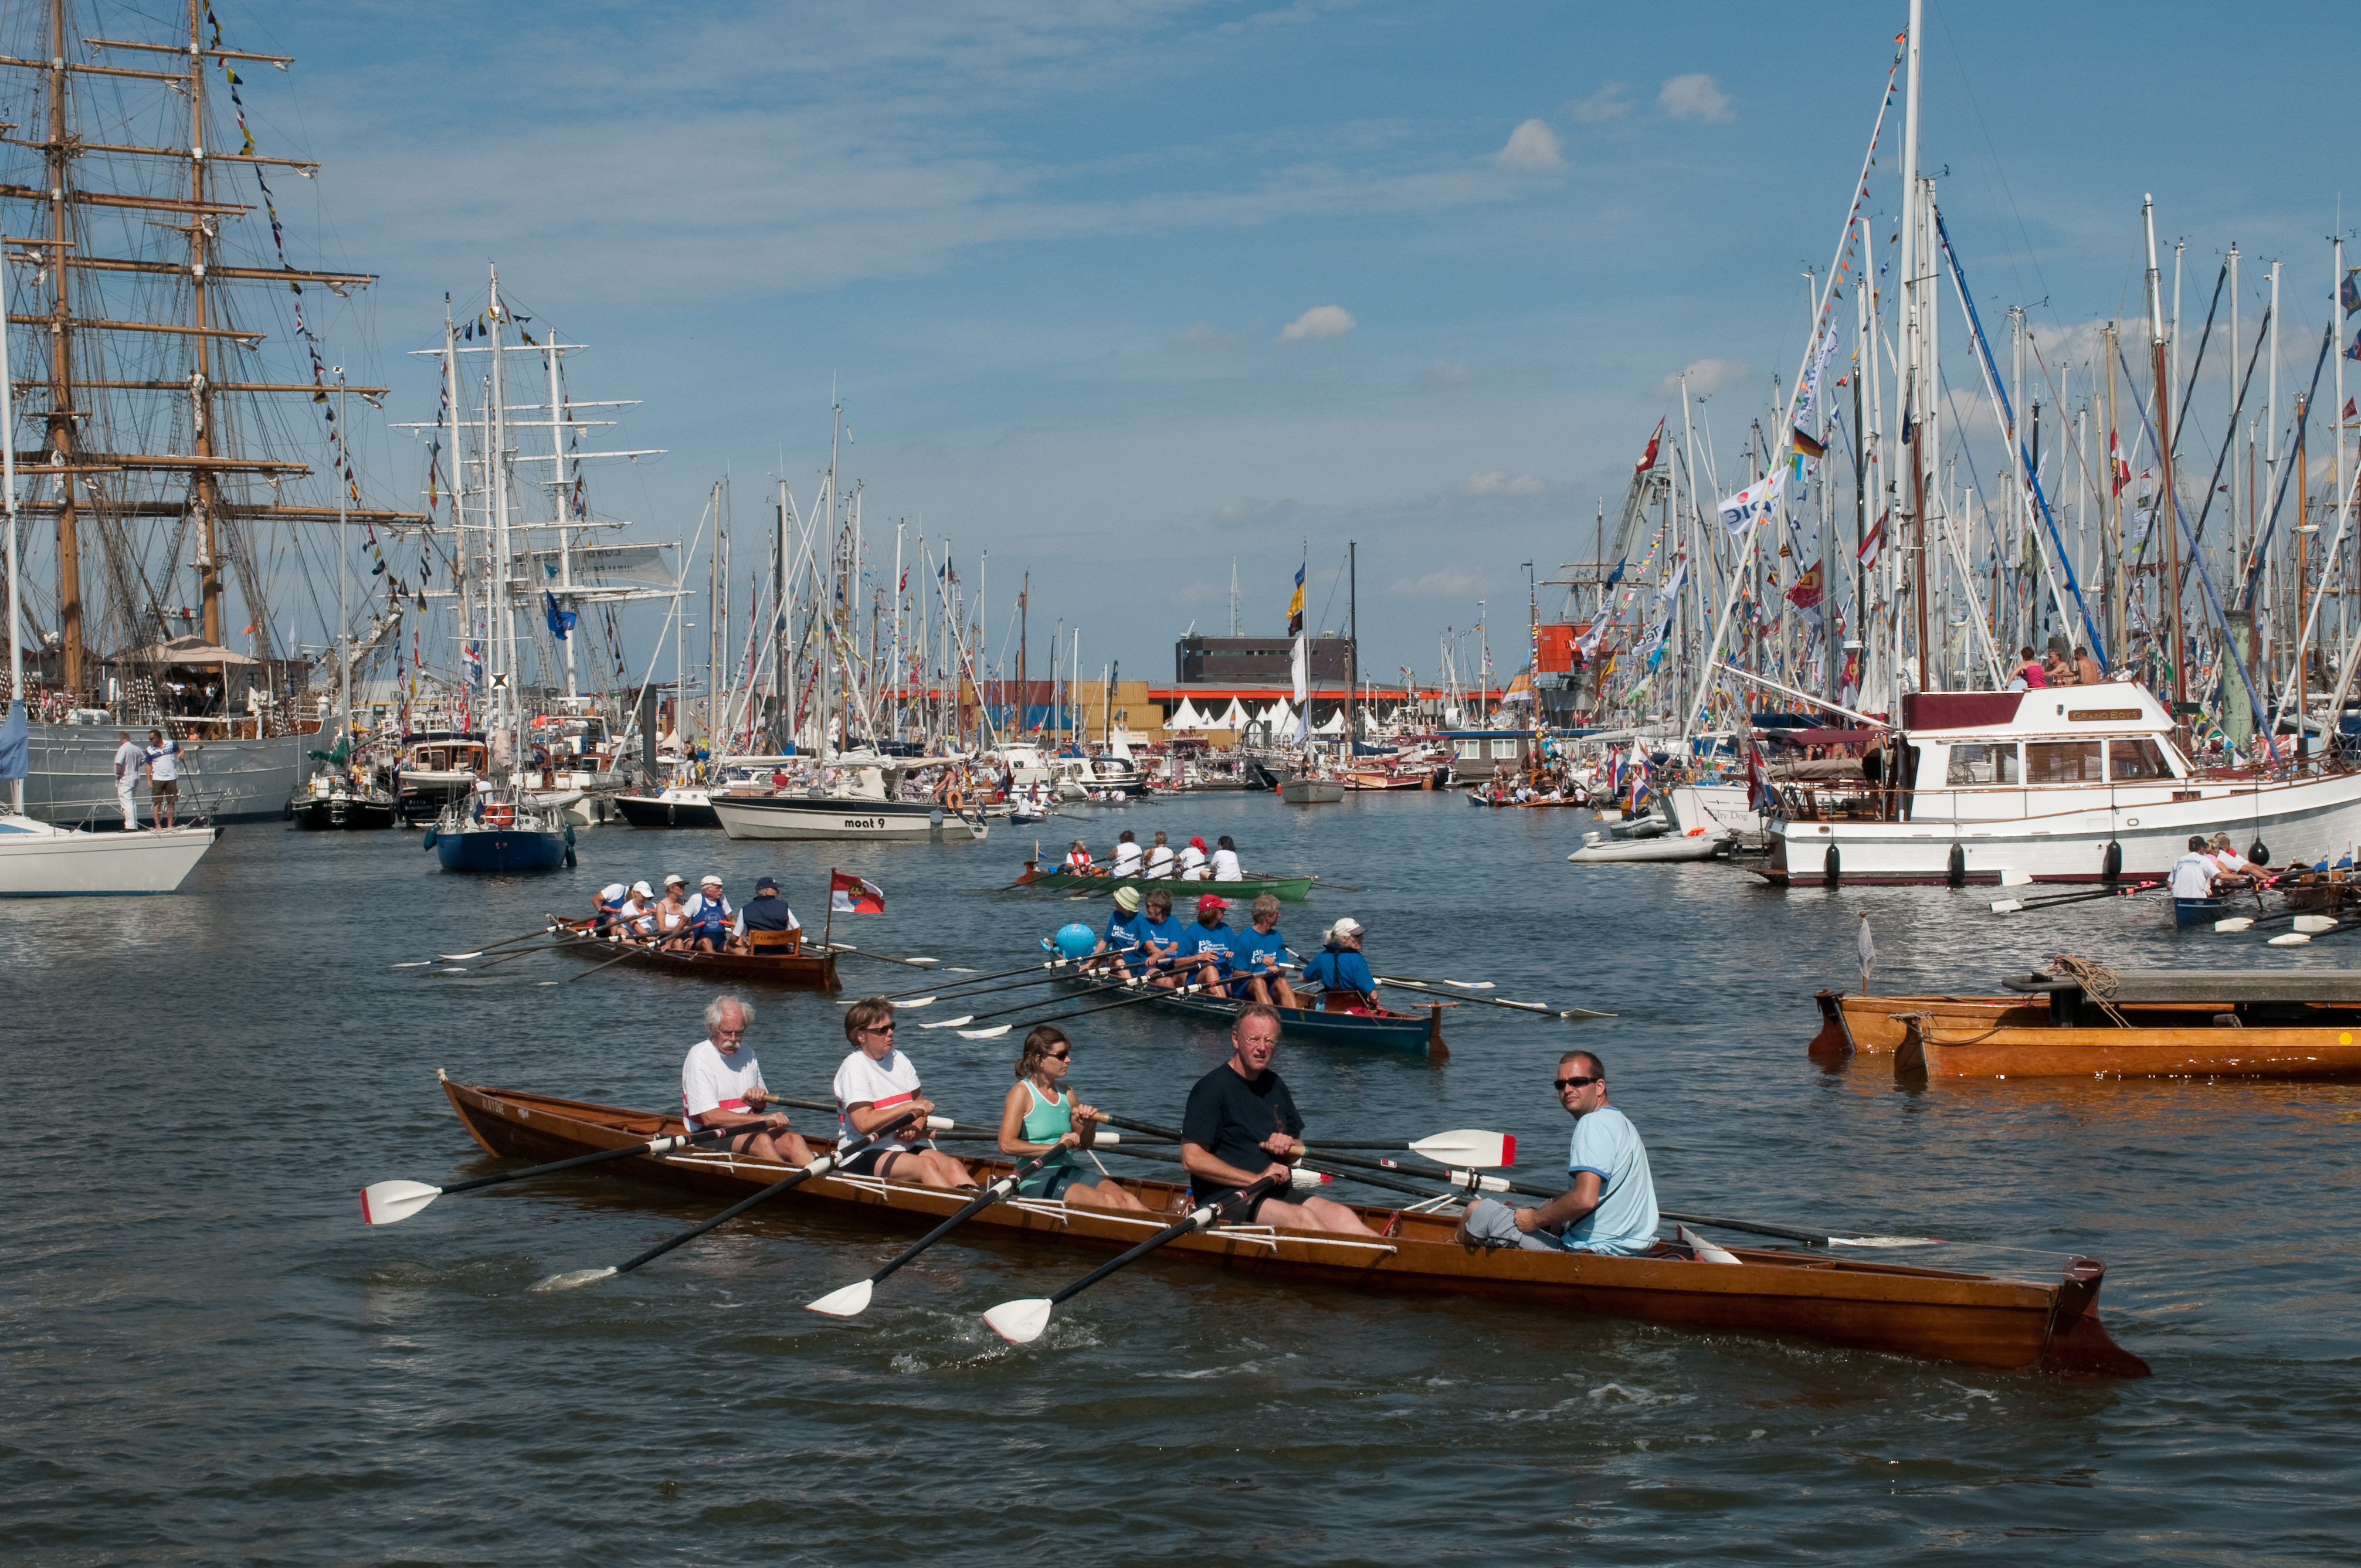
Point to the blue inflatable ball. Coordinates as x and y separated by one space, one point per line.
1076 941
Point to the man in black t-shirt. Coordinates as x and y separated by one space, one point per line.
1241 1125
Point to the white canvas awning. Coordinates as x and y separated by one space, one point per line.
181 651
1233 716
1185 717
1334 725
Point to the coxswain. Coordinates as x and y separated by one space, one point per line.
1611 1205
671 913
721 1085
1160 857
710 917
1261 955
1192 863
1341 971
766 911
1207 948
1078 858
1127 860
1039 1115
608 907
1161 938
1241 1125
2193 873
1225 861
877 1083
1121 936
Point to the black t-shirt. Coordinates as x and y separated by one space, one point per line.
1229 1118
767 913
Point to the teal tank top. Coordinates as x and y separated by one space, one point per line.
1049 1120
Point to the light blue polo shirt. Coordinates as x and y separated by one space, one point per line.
1606 1143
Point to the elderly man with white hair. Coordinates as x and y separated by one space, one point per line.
722 1086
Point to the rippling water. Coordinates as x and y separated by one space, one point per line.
209 1359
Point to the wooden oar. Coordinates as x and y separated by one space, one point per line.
1542 1008
391 1202
820 1166
1033 969
1022 1321
541 930
2011 905
1147 994
853 1299
1470 1148
880 957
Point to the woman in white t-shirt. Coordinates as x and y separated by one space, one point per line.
1160 857
1225 861
1192 861
1126 854
877 1083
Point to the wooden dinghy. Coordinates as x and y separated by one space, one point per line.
1418 1034
1875 1025
778 959
1978 1319
1292 889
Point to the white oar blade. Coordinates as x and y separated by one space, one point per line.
950 1023
568 1281
1885 1241
1470 984
999 1029
2007 906
2292 940
1468 1147
925 963
391 1202
917 1002
456 958
2007 879
2235 923
423 963
1020 1322
849 1302
2315 924
1705 1251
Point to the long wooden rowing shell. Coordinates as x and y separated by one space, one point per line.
1979 1320
789 971
1934 1047
1292 889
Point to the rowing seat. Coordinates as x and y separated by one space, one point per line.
774 942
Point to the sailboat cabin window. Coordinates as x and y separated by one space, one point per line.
1982 765
2062 762
2140 759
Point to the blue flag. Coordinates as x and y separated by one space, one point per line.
561 621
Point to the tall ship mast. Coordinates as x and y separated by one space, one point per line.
175 424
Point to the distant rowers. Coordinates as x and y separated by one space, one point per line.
637 915
1341 971
1160 857
2232 863
721 1085
1078 858
1241 1125
1128 858
1039 1115
608 907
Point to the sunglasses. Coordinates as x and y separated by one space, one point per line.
880 1029
1058 1055
1565 1083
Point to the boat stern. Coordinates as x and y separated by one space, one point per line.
1834 1041
2076 1344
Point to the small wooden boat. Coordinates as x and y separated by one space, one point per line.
1418 1034
1872 1025
2291 1024
1976 1319
778 959
1292 889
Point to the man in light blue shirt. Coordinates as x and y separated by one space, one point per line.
1611 1207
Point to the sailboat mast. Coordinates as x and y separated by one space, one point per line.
2164 499
344 586
15 581
1914 404
495 476
208 549
560 502
62 401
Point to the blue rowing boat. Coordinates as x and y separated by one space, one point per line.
2187 912
1412 1033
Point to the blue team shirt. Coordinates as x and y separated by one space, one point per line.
1167 931
1259 954
1340 970
1606 1142
1197 938
1121 931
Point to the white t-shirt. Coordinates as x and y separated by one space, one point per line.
127 759
1193 862
163 761
635 915
1225 866
1126 858
711 1081
882 1084
1160 860
2232 862
2192 876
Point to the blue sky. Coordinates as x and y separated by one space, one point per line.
1051 253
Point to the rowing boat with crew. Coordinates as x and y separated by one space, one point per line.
773 958
1978 1319
1293 889
1417 1033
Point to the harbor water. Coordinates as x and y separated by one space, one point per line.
209 1359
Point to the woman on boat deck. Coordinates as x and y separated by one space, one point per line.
877 1083
1038 1115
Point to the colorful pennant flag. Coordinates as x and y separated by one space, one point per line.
847 894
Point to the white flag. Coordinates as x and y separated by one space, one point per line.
1758 502
1302 671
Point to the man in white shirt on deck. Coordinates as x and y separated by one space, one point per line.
877 1083
722 1086
163 777
129 758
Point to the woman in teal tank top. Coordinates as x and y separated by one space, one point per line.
1039 1116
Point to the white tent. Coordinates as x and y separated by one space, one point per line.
1234 718
1185 717
1281 719
1335 724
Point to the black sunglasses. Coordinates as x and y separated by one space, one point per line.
1565 1083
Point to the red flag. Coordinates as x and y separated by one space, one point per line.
847 894
1874 546
1648 460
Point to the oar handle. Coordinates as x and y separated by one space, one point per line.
1197 1219
820 1166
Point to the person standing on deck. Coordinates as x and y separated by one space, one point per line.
2086 669
129 760
1225 861
2030 668
1341 971
1241 1125
1610 1208
1126 854
163 777
722 1086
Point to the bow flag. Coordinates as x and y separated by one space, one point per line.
1806 593
847 894
1295 609
561 621
1758 502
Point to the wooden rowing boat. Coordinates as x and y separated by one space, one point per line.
1292 889
789 968
2197 1050
1418 1034
1875 1025
1978 1319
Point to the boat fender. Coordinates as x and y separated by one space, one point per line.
429 842
2259 852
2111 866
935 818
1955 872
569 857
1831 866
569 835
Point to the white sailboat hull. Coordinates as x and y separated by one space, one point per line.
38 860
803 817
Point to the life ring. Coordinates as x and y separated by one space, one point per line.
954 798
499 814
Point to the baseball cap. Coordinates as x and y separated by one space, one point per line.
1347 927
676 880
708 879
768 884
1206 900
643 890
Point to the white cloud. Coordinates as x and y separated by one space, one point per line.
1533 150
1695 97
1703 375
1319 321
1611 102
1444 582
1497 483
1446 373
